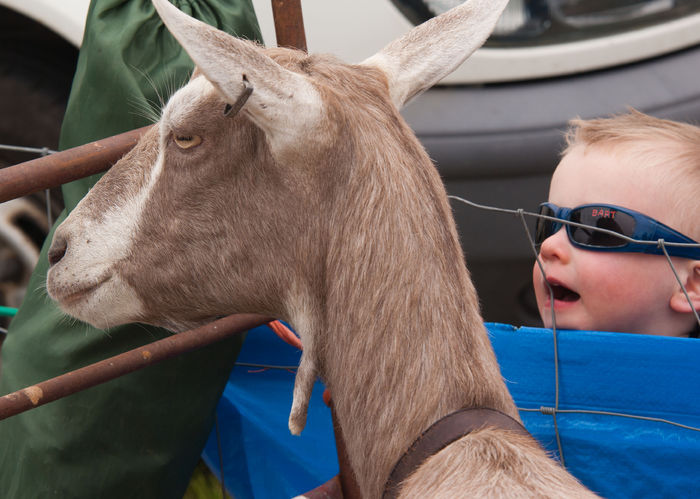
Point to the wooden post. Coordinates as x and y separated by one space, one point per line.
289 24
289 28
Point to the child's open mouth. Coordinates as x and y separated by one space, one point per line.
562 293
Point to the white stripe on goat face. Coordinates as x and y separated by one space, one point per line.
96 243
88 246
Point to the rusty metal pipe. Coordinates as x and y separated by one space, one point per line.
96 157
289 28
65 166
127 362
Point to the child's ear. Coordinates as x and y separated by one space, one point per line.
679 303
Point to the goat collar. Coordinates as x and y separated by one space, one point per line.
442 433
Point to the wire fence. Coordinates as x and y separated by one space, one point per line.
521 214
41 152
556 410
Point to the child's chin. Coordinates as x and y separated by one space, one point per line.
564 322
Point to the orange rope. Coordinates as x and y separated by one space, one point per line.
285 334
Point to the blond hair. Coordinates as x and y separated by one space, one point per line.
667 149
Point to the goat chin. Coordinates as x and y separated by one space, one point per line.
108 303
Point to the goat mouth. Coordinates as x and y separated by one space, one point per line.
74 296
77 296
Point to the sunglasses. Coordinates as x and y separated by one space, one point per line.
605 227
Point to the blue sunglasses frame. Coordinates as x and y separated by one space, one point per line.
645 239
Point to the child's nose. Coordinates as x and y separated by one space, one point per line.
556 246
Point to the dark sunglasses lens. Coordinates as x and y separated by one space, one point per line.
601 217
544 228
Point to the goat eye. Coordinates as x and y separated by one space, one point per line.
187 141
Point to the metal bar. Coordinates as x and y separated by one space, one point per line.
289 24
119 365
289 28
41 151
65 166
96 157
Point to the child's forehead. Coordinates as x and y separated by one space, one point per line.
665 192
592 174
593 171
634 163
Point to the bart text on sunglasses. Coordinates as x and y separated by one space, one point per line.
602 227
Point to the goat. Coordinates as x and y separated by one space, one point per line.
315 204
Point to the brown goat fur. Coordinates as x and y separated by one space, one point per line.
317 205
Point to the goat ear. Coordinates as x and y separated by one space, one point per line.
283 103
431 51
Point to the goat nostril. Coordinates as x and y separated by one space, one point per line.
57 250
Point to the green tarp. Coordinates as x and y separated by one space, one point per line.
140 435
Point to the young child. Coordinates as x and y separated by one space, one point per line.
599 281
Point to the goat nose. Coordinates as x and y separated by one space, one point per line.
58 249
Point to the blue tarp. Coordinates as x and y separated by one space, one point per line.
616 456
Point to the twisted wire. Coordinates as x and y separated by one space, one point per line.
554 411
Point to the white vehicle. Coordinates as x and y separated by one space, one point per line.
493 127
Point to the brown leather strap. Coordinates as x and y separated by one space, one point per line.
442 433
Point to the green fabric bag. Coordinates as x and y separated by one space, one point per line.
140 435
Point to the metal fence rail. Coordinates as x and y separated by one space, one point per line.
119 365
62 167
